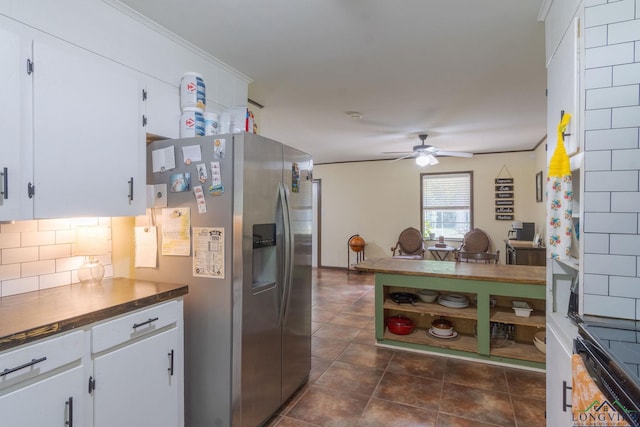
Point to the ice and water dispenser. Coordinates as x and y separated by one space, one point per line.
265 257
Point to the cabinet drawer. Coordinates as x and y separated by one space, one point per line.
33 360
131 326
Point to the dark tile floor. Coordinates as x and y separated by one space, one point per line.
355 383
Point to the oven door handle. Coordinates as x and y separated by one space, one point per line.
565 405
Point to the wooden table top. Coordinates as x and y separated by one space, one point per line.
34 315
525 274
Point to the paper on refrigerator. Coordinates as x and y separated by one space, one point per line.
176 227
208 252
146 247
163 159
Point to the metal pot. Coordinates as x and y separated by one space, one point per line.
400 325
403 297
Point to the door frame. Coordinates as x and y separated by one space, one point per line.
317 201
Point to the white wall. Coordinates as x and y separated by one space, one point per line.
379 199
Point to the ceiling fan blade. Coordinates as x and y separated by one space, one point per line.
397 152
453 153
406 156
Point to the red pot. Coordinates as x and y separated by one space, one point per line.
400 325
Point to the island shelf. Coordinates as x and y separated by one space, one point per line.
491 289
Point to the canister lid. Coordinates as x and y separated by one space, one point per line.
196 109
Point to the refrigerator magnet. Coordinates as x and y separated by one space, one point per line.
198 193
180 182
191 153
202 172
216 189
218 148
295 178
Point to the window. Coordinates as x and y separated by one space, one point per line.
446 200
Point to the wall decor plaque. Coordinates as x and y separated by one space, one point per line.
504 188
504 217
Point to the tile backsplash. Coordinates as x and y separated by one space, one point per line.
611 223
37 254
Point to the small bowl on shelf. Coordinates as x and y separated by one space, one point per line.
427 295
442 327
521 308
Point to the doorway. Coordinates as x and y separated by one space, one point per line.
316 224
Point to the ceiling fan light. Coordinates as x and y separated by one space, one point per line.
423 159
432 160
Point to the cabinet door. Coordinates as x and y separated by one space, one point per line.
54 402
162 109
15 137
558 378
135 385
563 89
88 136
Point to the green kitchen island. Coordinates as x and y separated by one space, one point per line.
491 289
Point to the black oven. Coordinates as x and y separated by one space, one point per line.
610 349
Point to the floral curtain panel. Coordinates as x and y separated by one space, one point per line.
560 198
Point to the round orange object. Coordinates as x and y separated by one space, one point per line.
356 243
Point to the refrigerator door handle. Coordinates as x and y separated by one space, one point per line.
288 262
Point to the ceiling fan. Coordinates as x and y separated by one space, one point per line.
426 154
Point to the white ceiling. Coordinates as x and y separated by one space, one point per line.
469 73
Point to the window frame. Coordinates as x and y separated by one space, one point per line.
422 207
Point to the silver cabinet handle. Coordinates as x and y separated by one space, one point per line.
4 190
69 404
130 182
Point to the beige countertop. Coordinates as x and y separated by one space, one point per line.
525 274
35 315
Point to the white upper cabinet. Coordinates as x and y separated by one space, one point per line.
72 130
563 89
15 136
162 109
71 137
88 136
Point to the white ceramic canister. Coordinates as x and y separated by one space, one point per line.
211 124
191 122
192 91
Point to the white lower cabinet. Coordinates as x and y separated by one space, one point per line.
56 401
137 385
559 379
42 384
137 369
124 371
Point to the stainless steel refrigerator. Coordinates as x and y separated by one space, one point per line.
248 310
